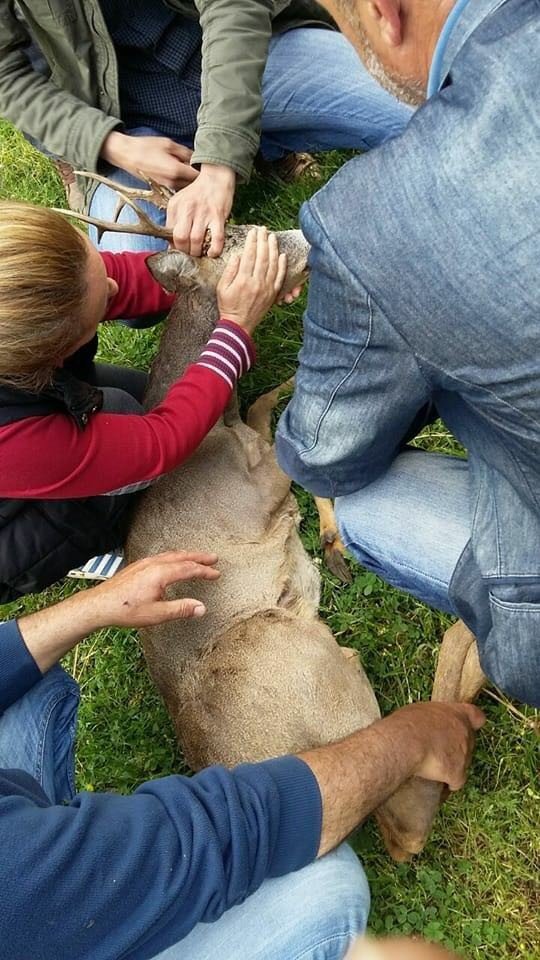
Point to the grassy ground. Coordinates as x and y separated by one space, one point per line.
475 886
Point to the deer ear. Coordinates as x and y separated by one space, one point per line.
174 270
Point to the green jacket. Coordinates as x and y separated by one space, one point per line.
73 110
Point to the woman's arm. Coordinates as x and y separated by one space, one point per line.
118 451
139 294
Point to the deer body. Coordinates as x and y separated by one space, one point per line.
259 675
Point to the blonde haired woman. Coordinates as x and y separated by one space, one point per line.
73 434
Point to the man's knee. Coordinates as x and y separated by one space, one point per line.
333 904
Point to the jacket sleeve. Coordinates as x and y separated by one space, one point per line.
18 669
65 125
112 876
234 52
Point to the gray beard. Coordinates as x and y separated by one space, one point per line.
405 89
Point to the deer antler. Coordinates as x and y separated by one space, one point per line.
156 194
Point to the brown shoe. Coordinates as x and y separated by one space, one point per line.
289 168
74 196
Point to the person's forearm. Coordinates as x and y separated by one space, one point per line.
30 100
358 774
50 633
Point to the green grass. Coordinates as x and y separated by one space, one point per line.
475 887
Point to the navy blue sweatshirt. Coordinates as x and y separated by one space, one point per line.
108 876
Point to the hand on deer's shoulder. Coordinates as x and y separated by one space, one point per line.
445 736
251 282
203 205
136 597
160 158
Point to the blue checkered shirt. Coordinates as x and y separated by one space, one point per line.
159 66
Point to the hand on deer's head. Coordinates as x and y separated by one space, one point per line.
177 271
251 282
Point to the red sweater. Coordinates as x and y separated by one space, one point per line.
48 457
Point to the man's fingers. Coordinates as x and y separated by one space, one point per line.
198 556
476 717
188 570
217 237
181 232
197 235
183 153
182 609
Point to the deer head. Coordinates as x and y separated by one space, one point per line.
177 271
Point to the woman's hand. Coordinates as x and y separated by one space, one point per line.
252 282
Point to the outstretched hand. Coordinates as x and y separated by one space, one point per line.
136 597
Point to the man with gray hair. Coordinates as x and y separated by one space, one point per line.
424 301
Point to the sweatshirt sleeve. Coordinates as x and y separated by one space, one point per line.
139 293
129 876
50 458
18 669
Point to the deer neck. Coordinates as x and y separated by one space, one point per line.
186 331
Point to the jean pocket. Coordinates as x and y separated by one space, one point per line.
511 653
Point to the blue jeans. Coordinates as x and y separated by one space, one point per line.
313 914
411 525
338 105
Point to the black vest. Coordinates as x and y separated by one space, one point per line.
40 540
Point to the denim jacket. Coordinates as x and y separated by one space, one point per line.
426 270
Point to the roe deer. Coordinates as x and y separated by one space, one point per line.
260 675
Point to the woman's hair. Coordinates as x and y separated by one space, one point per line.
43 287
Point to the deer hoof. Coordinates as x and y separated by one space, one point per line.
333 557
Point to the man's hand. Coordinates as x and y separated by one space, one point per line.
160 158
445 733
135 597
203 205
398 948
251 283
358 774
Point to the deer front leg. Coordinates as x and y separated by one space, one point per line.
406 819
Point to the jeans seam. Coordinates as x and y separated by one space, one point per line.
342 381
335 938
43 729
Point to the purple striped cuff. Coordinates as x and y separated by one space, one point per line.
230 352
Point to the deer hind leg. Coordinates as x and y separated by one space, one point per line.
330 540
406 819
